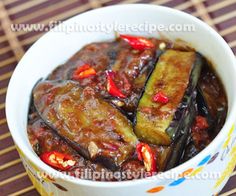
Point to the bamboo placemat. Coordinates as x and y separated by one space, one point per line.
221 15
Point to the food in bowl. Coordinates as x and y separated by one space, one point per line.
135 105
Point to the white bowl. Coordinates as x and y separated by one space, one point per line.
55 48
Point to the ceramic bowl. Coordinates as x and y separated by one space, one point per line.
205 174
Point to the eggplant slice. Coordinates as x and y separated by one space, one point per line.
214 96
176 74
131 68
203 108
43 139
90 125
178 146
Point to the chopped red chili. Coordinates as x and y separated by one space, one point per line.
201 122
146 154
111 86
58 160
200 132
161 98
83 71
138 43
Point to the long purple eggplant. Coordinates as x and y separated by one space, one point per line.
176 74
90 125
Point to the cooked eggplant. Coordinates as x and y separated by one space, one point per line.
98 55
194 147
132 169
176 74
43 136
90 125
131 69
202 107
214 97
211 105
89 109
189 152
180 143
44 140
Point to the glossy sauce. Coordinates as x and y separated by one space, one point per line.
132 69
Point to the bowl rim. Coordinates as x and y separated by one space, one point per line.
222 134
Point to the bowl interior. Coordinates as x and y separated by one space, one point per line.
55 47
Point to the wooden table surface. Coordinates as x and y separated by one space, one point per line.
221 15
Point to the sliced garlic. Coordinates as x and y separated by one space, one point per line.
71 162
93 149
162 46
118 103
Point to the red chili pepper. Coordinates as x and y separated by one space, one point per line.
83 71
58 160
146 155
201 122
111 86
138 43
199 132
160 98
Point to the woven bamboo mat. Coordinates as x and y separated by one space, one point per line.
221 15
